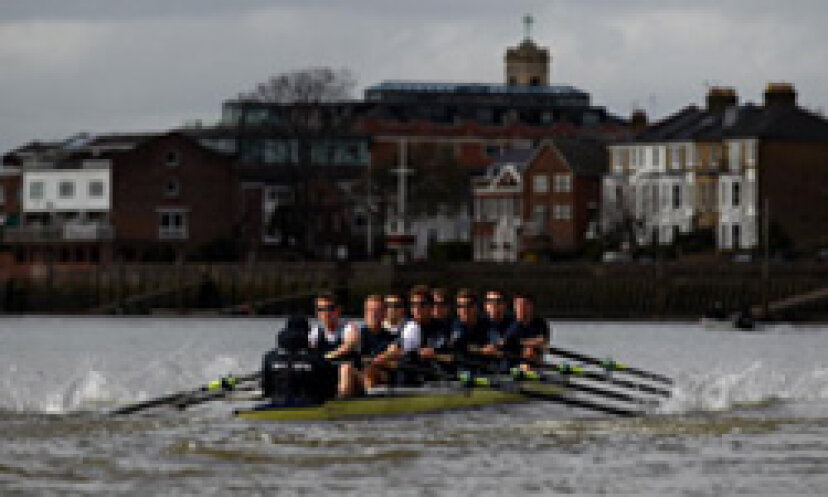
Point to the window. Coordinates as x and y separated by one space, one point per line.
734 157
562 212
540 183
172 225
66 189
96 189
725 241
737 233
676 196
656 156
172 159
562 183
36 190
2 195
173 189
539 219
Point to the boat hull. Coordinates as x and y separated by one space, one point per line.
390 405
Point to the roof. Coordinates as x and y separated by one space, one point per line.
784 122
518 158
585 156
472 88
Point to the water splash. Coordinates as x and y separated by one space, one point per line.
754 385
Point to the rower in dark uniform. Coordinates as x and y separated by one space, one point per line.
528 335
361 341
441 310
326 335
394 313
497 322
468 332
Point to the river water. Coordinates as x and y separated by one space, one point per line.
749 416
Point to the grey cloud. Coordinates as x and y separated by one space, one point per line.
111 65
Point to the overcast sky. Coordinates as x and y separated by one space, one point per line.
121 65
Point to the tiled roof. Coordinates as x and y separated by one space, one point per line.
784 122
586 157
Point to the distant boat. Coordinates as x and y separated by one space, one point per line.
716 319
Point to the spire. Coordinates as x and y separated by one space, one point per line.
528 20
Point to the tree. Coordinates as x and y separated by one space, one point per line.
311 85
306 102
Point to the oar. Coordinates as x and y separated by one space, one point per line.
228 382
553 396
207 396
576 371
563 380
567 369
609 364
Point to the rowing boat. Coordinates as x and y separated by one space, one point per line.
395 402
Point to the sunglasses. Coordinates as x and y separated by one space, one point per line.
394 305
495 300
465 305
440 302
325 308
420 303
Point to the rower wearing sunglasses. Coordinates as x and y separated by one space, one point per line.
497 322
468 332
325 337
394 313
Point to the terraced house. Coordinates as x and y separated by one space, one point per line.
718 169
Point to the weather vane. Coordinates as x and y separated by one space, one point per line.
527 25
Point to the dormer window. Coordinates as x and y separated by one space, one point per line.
172 158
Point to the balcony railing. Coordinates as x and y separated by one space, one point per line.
65 232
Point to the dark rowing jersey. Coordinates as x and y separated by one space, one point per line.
496 330
518 331
435 335
463 335
323 340
373 343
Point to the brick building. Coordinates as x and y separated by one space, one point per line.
92 199
534 203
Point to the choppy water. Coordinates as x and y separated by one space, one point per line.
749 417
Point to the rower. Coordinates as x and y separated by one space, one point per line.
394 313
326 334
528 335
468 330
497 322
418 339
441 310
361 341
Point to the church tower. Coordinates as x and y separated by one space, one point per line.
527 64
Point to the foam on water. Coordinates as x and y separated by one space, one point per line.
756 384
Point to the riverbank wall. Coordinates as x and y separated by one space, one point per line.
573 290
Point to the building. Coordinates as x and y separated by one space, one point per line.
562 195
713 170
94 199
498 207
534 203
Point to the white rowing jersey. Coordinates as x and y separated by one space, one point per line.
393 329
321 337
411 336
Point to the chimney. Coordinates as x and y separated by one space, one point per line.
720 98
638 120
780 94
